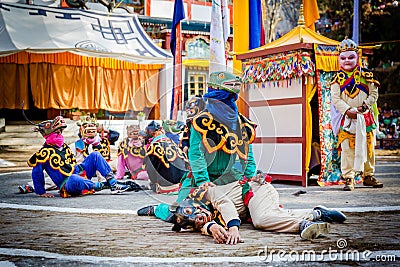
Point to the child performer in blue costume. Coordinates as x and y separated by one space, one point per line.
56 158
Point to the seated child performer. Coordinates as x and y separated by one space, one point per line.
90 140
57 160
131 154
165 162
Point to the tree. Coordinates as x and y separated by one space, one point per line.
378 25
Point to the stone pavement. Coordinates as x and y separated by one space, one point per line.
103 230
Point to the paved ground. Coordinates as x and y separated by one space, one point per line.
103 229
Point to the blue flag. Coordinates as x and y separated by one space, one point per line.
179 14
356 23
255 27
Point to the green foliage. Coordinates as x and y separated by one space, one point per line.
378 25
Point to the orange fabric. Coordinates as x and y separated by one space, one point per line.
77 81
14 86
92 87
311 13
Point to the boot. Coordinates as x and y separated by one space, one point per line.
369 180
349 186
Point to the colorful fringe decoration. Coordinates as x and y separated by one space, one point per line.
279 67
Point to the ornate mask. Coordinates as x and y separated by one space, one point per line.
194 106
172 126
226 81
49 126
152 128
348 54
133 131
190 214
88 126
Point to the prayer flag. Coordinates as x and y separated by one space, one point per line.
219 31
311 13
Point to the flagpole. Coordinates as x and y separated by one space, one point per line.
176 50
177 72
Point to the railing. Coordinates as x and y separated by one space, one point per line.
388 143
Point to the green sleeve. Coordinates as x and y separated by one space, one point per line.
251 166
197 160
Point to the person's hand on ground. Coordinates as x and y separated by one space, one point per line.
233 236
218 233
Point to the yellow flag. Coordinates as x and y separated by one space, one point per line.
311 13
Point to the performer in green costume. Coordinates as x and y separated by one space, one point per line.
220 150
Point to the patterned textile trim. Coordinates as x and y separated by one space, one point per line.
61 160
124 149
278 67
216 136
103 148
65 194
166 150
343 135
200 195
330 158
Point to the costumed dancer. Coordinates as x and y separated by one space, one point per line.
354 95
131 154
173 129
90 140
218 211
165 162
193 107
57 160
220 150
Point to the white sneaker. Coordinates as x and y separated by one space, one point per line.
119 188
311 230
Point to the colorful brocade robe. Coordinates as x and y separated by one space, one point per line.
61 160
165 162
103 148
351 83
135 151
216 136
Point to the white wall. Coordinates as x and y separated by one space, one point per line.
278 121
163 9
